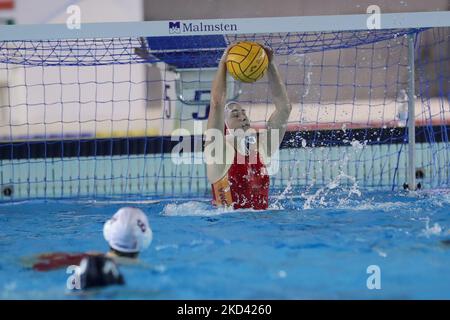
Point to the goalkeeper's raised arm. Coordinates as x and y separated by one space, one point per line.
239 179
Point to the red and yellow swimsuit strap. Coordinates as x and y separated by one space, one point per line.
222 192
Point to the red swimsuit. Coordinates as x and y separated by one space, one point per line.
246 185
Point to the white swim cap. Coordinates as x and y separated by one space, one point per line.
128 230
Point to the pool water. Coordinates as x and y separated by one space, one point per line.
314 245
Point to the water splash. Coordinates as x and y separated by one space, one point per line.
435 230
326 196
193 208
282 196
337 192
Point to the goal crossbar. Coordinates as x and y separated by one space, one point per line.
224 26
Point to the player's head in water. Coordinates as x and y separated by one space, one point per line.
235 116
127 232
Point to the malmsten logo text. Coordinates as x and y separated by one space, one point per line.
181 27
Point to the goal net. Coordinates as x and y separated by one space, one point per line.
95 116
